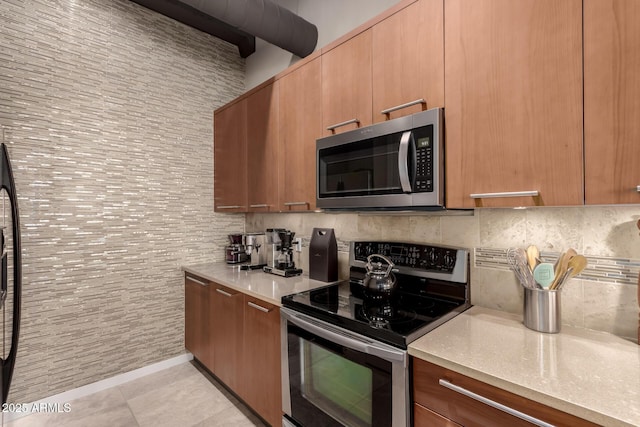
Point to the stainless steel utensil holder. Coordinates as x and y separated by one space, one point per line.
542 310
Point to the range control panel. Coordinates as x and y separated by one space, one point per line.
422 257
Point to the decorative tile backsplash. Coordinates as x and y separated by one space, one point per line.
599 269
108 115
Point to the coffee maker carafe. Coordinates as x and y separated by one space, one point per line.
285 257
273 246
282 255
256 250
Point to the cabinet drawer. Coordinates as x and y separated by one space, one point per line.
429 391
423 417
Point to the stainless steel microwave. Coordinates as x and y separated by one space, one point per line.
393 165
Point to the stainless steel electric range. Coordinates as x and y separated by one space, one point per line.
347 363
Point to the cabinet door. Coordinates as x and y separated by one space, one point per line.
226 333
513 102
346 84
229 158
408 60
196 318
300 126
261 383
262 149
611 107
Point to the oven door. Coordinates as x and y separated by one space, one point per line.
332 377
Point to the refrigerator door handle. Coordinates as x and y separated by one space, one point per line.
7 183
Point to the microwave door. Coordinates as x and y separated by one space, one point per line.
361 169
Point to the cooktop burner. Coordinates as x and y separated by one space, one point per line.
397 320
431 287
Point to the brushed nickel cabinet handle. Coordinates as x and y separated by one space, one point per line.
260 205
348 122
258 307
493 404
299 203
405 105
533 193
230 207
225 293
197 281
638 188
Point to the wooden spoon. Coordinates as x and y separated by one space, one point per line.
571 253
575 266
578 263
533 254
561 269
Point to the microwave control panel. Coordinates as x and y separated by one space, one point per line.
423 138
422 257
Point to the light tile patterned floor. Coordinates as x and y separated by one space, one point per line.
181 396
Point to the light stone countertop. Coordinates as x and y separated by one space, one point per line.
593 375
267 287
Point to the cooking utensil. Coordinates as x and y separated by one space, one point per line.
517 258
533 255
544 274
575 266
560 270
379 279
577 263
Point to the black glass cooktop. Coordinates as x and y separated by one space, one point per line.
416 306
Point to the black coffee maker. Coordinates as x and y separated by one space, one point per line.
284 264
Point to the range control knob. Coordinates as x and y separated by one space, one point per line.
449 260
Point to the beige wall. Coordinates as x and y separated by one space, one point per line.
107 109
606 301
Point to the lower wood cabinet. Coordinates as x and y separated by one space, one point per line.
237 338
260 384
437 405
196 317
225 329
426 417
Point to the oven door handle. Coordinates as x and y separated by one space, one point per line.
403 161
345 338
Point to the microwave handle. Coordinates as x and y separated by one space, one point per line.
403 157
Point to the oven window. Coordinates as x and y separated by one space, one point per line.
337 386
332 385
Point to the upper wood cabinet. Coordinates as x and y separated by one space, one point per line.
408 60
229 158
300 125
611 107
346 84
262 149
513 102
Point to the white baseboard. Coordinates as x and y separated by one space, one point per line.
92 388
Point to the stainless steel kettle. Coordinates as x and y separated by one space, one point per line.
379 277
